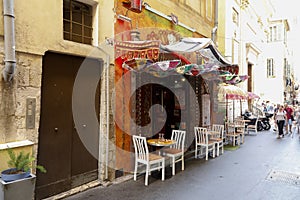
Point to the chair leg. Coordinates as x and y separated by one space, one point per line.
222 148
147 174
196 149
218 147
135 171
173 165
163 171
206 152
182 163
214 151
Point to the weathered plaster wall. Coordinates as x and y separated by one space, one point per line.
39 28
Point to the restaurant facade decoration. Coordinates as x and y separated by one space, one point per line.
148 57
162 56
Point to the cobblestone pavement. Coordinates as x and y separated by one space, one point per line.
263 168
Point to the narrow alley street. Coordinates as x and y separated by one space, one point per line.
244 174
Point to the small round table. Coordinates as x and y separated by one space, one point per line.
162 143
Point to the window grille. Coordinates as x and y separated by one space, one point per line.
77 20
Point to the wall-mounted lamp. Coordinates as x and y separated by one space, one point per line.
133 5
124 18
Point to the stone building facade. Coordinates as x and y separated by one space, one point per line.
33 115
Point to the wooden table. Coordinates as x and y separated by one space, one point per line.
161 144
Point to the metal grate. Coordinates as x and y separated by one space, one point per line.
284 177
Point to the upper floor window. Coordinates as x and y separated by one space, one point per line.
235 17
273 34
78 20
287 70
270 68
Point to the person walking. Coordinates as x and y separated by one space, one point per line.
297 118
274 117
280 120
289 111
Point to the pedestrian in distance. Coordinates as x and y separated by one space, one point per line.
274 117
297 119
289 111
280 120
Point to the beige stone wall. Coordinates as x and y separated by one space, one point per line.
39 28
26 84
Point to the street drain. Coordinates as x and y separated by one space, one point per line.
284 177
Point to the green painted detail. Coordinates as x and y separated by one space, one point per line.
160 22
230 147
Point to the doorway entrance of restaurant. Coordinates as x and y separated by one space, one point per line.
167 99
168 92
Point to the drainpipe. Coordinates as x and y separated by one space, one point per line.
9 40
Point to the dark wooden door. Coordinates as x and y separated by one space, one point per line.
60 149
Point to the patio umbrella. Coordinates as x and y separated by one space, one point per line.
252 95
230 92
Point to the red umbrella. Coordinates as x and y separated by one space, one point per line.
252 95
230 92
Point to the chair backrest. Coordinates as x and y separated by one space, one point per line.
239 122
218 128
229 127
141 148
254 126
179 137
256 121
201 135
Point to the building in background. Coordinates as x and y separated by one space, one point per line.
248 36
278 63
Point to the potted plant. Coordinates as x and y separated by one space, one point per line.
20 166
18 182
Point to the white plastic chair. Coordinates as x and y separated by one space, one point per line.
240 129
252 127
201 140
176 151
142 156
231 133
218 137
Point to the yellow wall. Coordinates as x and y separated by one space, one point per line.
187 13
221 26
17 149
39 26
